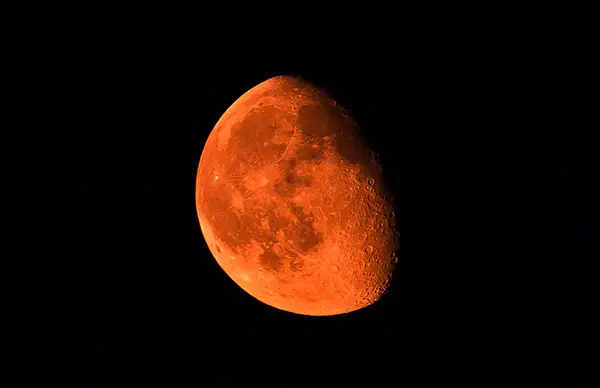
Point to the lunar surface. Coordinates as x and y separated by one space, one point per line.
293 204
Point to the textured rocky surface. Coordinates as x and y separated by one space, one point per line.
293 204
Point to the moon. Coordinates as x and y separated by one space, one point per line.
293 204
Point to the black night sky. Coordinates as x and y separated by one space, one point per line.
481 115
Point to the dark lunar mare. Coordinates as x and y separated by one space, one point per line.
319 120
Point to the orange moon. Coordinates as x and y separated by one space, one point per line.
292 203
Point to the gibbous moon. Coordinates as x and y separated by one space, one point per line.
292 203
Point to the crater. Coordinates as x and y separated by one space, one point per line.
296 264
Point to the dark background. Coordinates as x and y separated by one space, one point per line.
483 117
